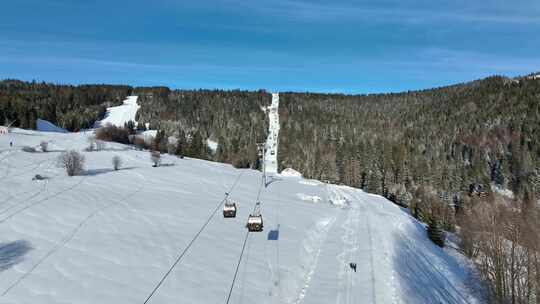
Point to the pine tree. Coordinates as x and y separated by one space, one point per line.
435 232
197 149
130 126
160 142
180 144
374 182
222 153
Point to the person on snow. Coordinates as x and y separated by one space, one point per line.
353 266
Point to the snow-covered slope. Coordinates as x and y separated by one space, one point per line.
119 115
272 141
111 236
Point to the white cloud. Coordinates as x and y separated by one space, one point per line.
485 11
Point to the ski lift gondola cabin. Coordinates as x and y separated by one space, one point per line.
255 223
255 220
229 209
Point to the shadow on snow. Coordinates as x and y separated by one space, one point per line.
273 235
12 253
93 172
423 270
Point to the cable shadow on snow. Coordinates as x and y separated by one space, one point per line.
271 179
12 253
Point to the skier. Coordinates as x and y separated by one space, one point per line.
353 266
11 144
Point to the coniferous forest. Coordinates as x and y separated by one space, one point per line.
70 107
463 158
233 119
449 154
452 141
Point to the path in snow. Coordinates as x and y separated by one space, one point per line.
119 115
271 165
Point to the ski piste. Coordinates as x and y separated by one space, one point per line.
272 141
110 236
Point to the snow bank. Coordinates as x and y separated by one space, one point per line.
46 126
289 172
310 198
309 182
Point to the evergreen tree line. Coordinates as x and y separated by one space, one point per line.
234 119
70 107
447 154
450 142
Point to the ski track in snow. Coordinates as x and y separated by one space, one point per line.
350 240
40 201
416 260
70 236
8 166
109 236
312 249
195 237
44 183
43 189
383 243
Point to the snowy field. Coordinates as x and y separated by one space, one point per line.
111 236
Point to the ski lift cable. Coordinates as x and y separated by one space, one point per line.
237 267
260 190
181 255
256 210
257 206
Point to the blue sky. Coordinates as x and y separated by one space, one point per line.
278 45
